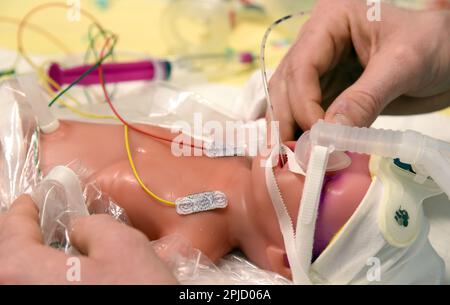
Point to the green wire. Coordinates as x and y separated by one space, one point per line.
7 72
87 72
92 38
91 49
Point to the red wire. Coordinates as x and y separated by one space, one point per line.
108 100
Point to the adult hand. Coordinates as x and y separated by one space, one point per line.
355 68
112 253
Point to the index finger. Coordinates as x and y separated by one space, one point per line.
320 46
322 42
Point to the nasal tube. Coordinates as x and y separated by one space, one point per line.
430 156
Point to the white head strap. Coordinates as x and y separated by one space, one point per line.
299 246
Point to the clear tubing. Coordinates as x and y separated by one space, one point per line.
412 147
262 59
385 143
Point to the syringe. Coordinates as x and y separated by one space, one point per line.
113 72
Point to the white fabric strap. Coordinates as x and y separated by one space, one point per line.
299 243
309 205
292 162
287 229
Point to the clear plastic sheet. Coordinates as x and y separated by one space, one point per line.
165 105
19 139
58 203
154 103
19 173
191 267
56 208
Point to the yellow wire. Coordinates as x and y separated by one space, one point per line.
51 38
24 23
47 79
36 29
82 113
39 30
136 174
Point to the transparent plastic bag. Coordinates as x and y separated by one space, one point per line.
154 103
191 266
167 106
62 195
19 173
19 140
59 197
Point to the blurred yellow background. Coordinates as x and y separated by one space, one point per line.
135 21
139 25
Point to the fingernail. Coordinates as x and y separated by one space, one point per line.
341 119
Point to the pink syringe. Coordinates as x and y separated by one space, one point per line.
113 72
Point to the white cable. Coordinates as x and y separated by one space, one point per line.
262 59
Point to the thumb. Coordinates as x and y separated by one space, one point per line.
361 103
355 107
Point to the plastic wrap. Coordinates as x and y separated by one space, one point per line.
19 137
59 198
61 195
191 266
19 173
164 105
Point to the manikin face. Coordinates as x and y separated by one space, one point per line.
342 192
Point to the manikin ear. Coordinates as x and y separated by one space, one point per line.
278 261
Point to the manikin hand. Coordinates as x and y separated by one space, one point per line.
113 253
400 64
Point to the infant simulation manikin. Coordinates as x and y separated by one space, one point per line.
249 221
348 241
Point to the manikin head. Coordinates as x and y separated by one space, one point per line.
342 192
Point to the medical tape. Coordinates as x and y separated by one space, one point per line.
200 202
